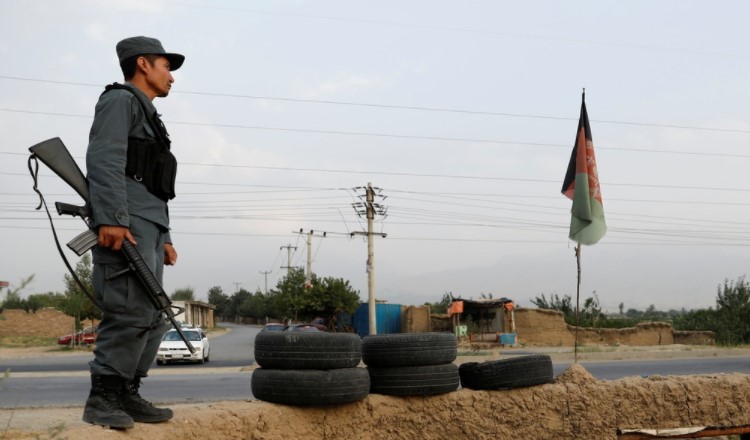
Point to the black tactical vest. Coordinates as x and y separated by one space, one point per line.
150 161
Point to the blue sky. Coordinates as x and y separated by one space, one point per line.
463 113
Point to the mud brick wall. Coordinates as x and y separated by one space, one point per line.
694 338
548 328
542 327
415 319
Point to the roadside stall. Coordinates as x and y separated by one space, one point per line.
484 320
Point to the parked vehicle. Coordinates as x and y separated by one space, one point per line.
86 336
173 348
301 328
273 327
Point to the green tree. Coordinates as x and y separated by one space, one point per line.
38 301
730 320
257 306
329 297
441 306
733 312
589 315
183 294
77 303
285 300
696 320
235 303
555 302
325 297
13 298
218 298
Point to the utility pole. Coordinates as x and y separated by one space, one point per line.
370 209
288 266
265 276
308 270
237 286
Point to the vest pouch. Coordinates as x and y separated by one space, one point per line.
140 164
168 175
152 164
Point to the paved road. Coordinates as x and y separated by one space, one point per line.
64 380
231 349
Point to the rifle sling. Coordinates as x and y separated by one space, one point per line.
34 172
34 175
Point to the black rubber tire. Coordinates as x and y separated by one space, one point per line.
310 387
517 372
308 351
158 362
422 380
409 349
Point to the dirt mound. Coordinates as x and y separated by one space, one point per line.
575 406
576 374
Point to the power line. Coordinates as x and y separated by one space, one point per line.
424 137
455 195
372 105
441 176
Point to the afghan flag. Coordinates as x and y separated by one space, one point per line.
581 185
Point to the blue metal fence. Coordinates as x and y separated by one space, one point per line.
387 319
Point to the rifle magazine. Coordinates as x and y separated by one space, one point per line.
83 242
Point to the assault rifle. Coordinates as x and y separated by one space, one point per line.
53 153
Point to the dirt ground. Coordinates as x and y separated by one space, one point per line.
575 406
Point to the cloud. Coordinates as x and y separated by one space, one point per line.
149 7
345 83
97 32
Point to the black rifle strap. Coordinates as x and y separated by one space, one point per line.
34 170
153 118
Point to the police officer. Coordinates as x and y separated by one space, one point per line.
131 174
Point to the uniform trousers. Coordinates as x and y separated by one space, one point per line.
131 328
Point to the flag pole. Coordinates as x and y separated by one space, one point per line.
581 185
578 293
578 284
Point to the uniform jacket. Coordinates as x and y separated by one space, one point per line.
114 196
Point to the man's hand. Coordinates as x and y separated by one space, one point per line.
113 236
170 255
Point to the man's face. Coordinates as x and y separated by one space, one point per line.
158 76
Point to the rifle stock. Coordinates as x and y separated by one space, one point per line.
53 153
56 156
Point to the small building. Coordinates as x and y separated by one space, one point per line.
485 319
197 313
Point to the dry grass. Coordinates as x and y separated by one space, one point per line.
27 341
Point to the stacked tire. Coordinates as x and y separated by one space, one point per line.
516 372
411 364
309 368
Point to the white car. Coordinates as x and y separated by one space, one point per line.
172 347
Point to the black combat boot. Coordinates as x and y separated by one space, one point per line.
103 406
140 409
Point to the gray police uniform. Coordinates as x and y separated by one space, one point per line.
131 327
